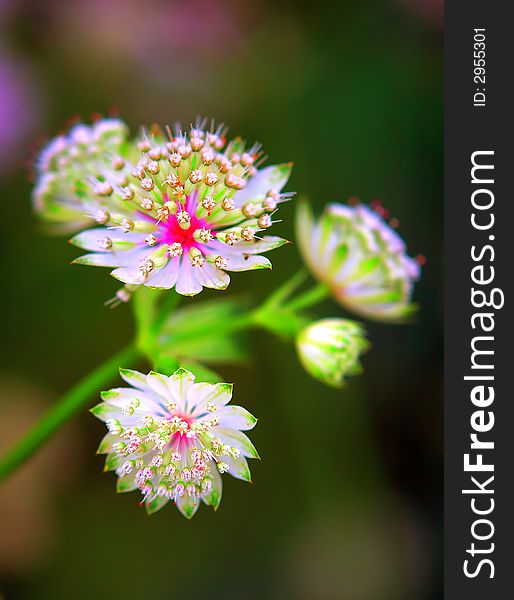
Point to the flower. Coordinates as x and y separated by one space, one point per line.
361 258
172 438
182 209
61 194
329 349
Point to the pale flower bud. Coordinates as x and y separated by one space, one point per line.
329 349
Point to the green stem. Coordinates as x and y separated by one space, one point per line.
313 296
168 304
280 295
74 400
144 308
149 321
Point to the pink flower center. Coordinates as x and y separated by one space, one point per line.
179 439
170 231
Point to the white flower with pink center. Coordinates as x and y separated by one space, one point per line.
184 210
172 438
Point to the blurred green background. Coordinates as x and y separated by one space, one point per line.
346 502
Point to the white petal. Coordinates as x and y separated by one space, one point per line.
343 211
201 394
127 483
238 467
236 417
237 440
265 244
156 504
91 239
188 505
160 385
134 378
247 262
132 275
150 403
187 282
210 276
270 178
166 277
107 443
112 462
179 384
111 259
213 497
105 411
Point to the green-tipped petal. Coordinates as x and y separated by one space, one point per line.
172 439
188 505
156 504
353 251
134 378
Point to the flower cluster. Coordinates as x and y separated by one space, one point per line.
180 209
329 349
361 258
172 438
173 209
62 194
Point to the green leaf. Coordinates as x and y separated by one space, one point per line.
213 349
195 318
202 333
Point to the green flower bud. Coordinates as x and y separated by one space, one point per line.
330 349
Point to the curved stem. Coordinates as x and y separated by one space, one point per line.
72 401
313 296
168 304
281 294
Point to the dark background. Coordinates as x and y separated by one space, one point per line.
346 503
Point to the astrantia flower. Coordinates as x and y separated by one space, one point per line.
190 207
73 165
329 349
171 438
361 258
